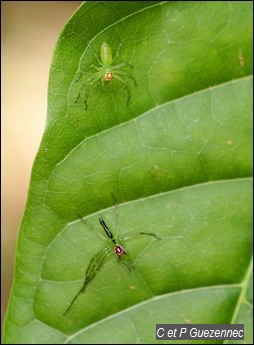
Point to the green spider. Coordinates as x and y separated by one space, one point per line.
115 246
106 72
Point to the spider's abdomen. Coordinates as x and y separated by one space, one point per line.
106 53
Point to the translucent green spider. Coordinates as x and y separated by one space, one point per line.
115 246
106 72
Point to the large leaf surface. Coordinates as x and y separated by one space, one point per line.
177 160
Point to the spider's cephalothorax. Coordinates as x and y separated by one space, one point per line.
108 76
107 72
119 250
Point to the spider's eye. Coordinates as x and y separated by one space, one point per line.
108 75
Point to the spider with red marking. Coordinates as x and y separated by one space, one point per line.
97 261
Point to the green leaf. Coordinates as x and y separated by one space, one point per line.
177 160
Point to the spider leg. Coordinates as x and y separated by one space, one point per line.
141 233
125 85
117 216
125 74
79 77
91 227
95 55
91 84
129 265
83 87
108 82
88 85
81 73
117 52
93 268
96 68
123 64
